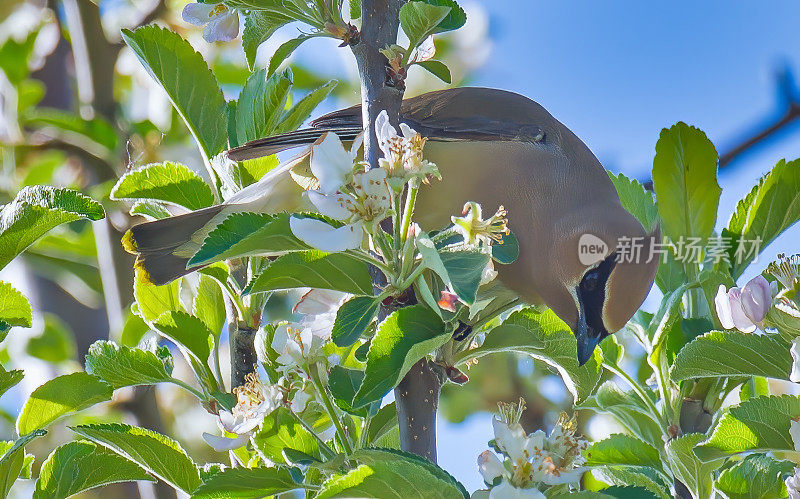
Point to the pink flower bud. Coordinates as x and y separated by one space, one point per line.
448 301
756 298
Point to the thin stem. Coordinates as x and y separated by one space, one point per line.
313 371
217 369
326 450
362 440
188 388
371 261
642 395
411 200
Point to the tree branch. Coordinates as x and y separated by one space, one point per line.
417 395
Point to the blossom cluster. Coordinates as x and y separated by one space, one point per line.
298 345
533 461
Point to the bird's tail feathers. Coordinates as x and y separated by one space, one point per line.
155 243
277 143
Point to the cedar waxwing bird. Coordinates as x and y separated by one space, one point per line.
493 147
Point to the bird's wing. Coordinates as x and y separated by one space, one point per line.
472 114
467 113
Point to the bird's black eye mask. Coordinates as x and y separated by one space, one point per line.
591 294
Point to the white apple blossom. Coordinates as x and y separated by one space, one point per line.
254 401
744 309
360 199
794 375
402 154
221 23
793 485
476 230
786 270
533 460
318 308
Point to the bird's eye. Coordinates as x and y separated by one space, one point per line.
590 280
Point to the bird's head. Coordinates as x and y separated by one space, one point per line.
604 274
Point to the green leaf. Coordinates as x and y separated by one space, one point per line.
282 430
150 210
685 182
259 25
246 483
622 450
383 455
643 477
353 319
384 421
455 19
15 310
209 305
464 271
159 455
771 207
437 69
13 461
387 474
168 182
636 199
758 424
122 366
402 339
304 107
61 396
190 85
245 234
155 300
756 387
261 104
55 344
755 477
420 19
37 209
78 466
628 409
9 379
728 354
344 384
547 338
285 50
694 473
73 129
186 330
507 251
251 171
314 269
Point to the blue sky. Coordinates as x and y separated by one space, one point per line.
617 72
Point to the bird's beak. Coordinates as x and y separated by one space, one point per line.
587 340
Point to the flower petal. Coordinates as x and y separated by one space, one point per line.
224 443
330 163
322 236
510 440
320 301
507 491
793 485
756 298
222 28
332 205
490 466
198 14
723 306
740 319
795 351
